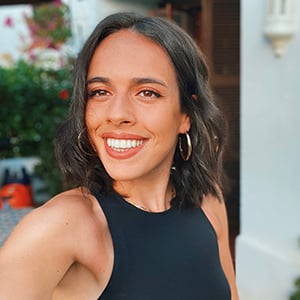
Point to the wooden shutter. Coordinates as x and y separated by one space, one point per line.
221 44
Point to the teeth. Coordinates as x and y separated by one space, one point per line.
122 145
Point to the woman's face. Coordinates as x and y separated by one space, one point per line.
133 114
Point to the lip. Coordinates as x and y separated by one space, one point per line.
123 153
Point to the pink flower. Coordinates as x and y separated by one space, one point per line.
8 22
32 56
57 2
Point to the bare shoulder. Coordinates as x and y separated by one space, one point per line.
53 222
78 198
61 211
215 210
47 242
69 204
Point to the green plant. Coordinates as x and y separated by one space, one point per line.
296 294
33 102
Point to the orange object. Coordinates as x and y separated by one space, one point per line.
16 195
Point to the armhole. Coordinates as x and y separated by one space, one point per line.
210 212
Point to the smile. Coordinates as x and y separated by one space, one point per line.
122 145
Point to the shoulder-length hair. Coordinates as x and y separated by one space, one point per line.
201 174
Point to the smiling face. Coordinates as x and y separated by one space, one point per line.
133 114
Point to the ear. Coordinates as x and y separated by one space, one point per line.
186 121
185 124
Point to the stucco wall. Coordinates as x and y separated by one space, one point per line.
13 33
268 252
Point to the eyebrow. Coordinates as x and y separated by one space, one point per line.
143 80
136 80
97 79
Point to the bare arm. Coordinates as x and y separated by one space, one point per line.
35 256
216 213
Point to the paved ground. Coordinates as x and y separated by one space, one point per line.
9 219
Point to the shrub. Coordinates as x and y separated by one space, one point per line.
33 102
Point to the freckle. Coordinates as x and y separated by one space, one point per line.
67 223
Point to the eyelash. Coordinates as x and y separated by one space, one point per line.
153 93
95 92
101 92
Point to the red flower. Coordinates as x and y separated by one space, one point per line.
8 22
64 95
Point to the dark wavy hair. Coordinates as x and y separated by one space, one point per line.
202 173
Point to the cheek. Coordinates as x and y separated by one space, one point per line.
92 121
92 117
165 123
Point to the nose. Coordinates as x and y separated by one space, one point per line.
120 110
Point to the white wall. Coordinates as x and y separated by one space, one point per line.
12 36
268 252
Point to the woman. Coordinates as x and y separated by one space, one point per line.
143 142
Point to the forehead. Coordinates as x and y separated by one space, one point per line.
130 51
127 37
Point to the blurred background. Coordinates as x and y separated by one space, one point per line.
252 49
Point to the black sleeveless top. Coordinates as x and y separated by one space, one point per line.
172 255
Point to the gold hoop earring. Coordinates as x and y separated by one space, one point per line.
80 145
185 156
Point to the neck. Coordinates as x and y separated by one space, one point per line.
148 197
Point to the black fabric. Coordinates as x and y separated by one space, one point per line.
171 255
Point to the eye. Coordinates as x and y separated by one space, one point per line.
97 93
149 94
